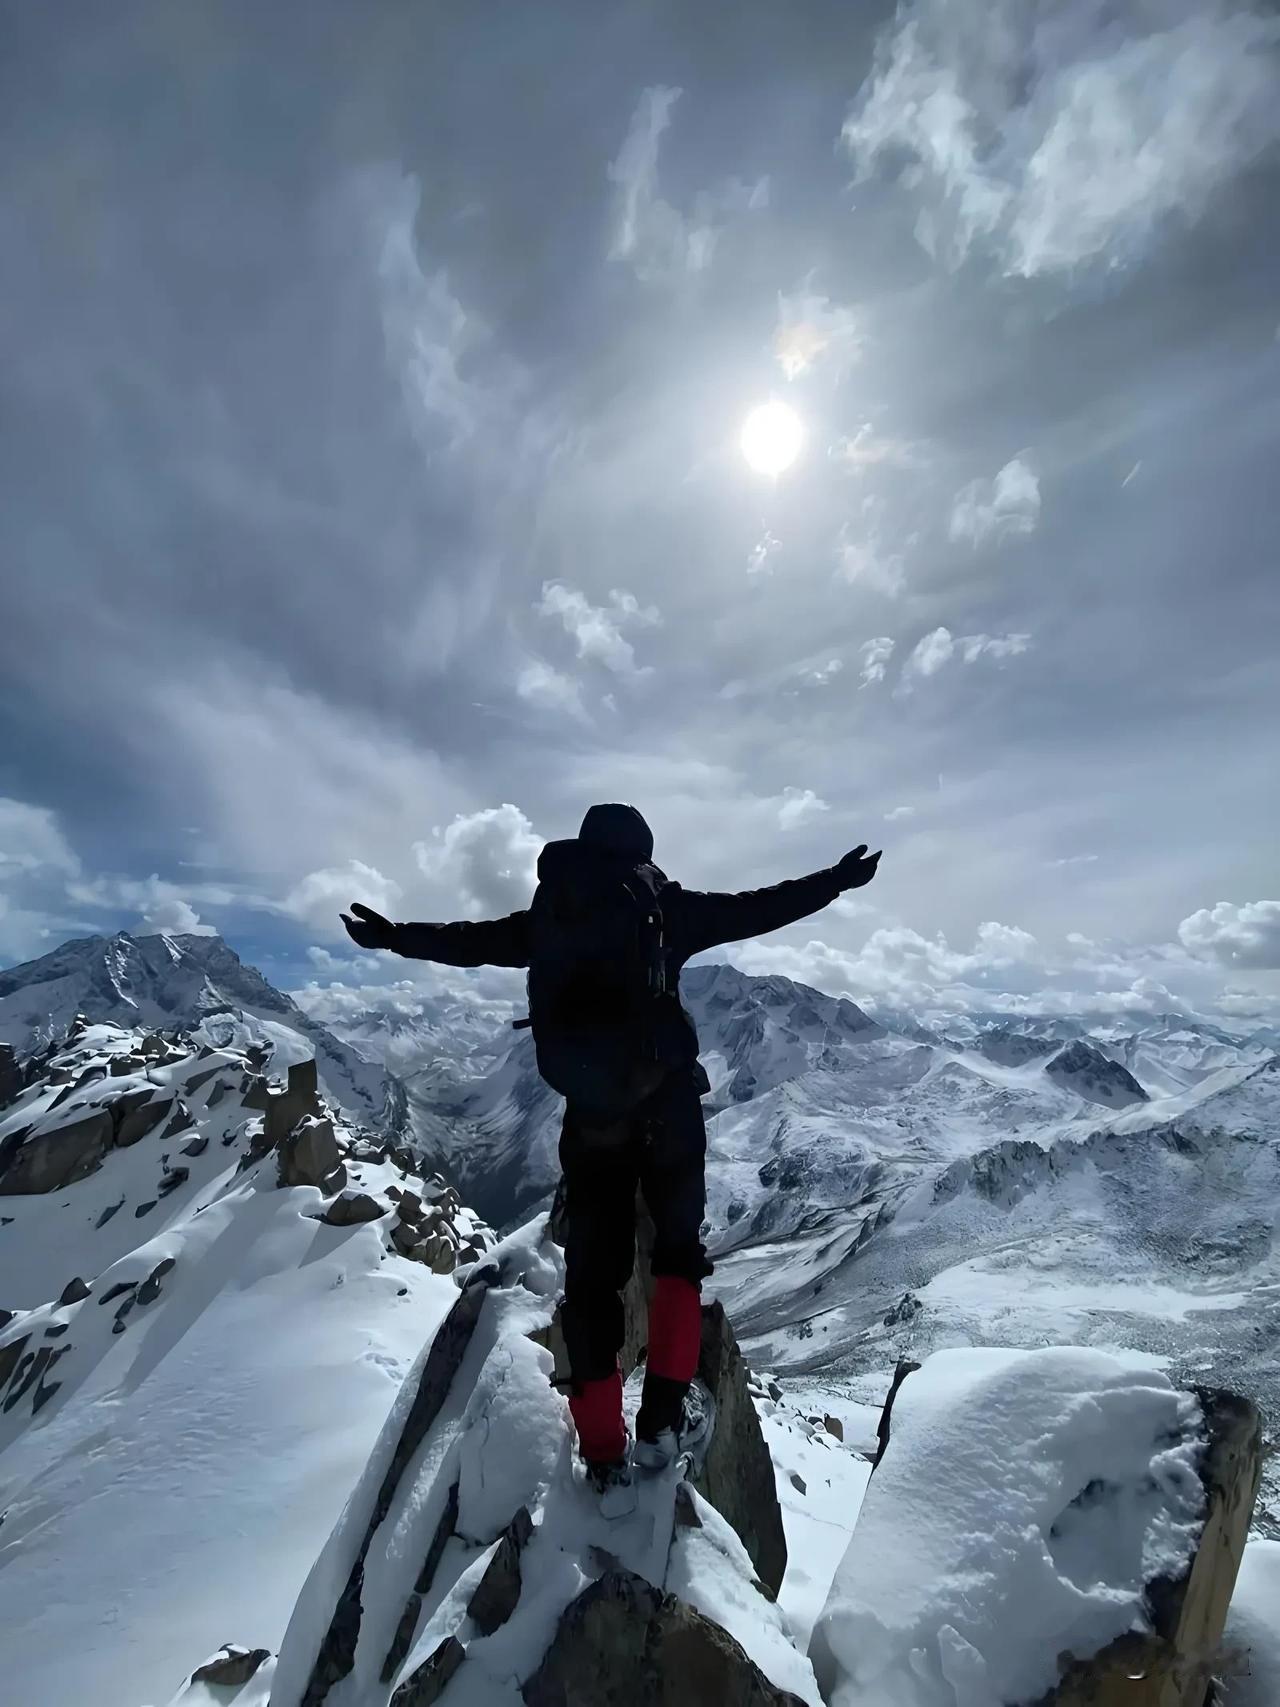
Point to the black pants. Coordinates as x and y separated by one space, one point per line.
662 1150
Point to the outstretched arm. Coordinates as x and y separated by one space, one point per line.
487 942
707 919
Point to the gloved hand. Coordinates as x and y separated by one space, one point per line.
858 867
369 929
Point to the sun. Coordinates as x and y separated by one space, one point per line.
771 437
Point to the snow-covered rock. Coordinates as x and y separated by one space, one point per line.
1023 1505
1094 1076
190 982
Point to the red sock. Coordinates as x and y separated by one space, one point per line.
675 1328
597 1415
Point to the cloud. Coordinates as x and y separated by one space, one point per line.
799 806
1007 507
322 895
822 674
1245 935
866 450
760 558
541 685
661 244
488 858
1076 859
898 813
1059 136
168 908
31 841
812 327
875 656
596 631
930 654
865 562
975 646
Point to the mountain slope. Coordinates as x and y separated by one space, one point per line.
183 981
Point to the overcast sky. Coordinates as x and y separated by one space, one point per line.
372 497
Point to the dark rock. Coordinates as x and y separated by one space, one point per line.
337 1649
43 1393
121 1286
74 1292
137 1114
232 1667
308 1153
12 1078
622 1643
180 1121
107 1213
737 1474
198 1079
351 1208
499 1588
256 1093
905 1368
173 1179
30 1369
149 1291
6 1316
428 1683
905 1310
798 1483
10 1357
196 1147
51 1160
217 1094
686 1508
57 1330
144 1209
834 1426
402 1641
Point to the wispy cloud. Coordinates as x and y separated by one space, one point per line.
812 328
799 806
898 813
597 630
1006 507
542 685
867 449
975 646
862 556
760 559
939 647
875 656
1064 135
657 241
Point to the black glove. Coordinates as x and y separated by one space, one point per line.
858 867
369 929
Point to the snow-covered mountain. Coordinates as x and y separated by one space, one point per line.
187 982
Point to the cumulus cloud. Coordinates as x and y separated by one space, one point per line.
487 858
597 630
875 656
1244 935
931 653
1007 507
321 895
1061 135
811 327
799 806
660 243
161 906
541 685
31 840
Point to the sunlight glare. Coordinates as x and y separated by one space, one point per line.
771 437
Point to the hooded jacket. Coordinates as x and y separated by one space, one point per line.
694 920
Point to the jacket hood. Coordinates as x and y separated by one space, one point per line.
618 830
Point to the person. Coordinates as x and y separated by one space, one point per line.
628 1066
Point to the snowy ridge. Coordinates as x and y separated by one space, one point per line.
184 982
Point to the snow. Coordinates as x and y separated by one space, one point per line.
1024 1501
1251 1645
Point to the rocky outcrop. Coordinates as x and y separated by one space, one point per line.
232 1667
1094 1076
424 1686
12 1078
74 1292
351 1208
499 1589
737 1473
137 1113
1172 1664
47 1161
622 1643
309 1155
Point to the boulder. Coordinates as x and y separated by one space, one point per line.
1173 1663
197 1146
622 1643
833 1426
74 1292
350 1208
299 1100
136 1114
425 1686
12 1078
499 1588
149 1291
308 1153
232 1667
51 1160
737 1473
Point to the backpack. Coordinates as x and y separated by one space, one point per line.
597 969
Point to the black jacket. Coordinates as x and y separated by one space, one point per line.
693 920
